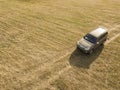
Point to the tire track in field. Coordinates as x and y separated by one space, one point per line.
66 68
47 83
113 28
112 39
42 68
31 77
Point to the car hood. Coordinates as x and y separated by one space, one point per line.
85 43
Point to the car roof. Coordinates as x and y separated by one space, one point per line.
98 32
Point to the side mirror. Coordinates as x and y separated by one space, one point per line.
97 42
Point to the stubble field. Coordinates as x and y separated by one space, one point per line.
38 45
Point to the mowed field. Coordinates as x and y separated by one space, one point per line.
38 45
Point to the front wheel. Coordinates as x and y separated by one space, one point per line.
91 51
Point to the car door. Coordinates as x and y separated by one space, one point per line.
102 38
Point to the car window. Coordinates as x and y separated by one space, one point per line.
90 38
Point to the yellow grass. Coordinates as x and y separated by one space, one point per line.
38 45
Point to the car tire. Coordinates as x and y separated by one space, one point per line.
103 42
77 47
91 51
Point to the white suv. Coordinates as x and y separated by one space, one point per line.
92 40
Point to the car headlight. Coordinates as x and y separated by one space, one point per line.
87 48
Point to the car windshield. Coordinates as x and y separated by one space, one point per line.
90 38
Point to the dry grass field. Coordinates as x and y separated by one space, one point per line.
38 45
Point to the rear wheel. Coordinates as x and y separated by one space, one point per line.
77 47
103 42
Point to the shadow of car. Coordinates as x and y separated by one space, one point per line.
82 60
